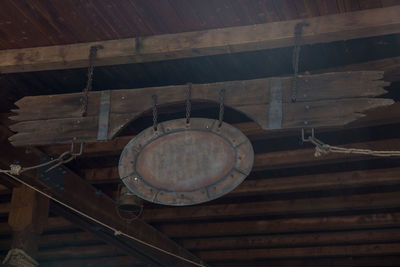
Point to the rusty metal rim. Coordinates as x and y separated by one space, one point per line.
151 192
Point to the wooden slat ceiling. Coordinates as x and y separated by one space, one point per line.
294 209
52 22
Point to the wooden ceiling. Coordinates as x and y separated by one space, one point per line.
41 23
293 209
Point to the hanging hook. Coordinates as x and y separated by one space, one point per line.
221 106
188 102
67 156
305 140
155 114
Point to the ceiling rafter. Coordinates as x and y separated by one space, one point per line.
324 29
87 199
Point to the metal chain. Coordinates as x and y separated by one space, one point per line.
296 57
188 102
155 113
322 148
85 97
221 106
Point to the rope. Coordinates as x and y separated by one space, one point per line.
67 156
322 149
114 230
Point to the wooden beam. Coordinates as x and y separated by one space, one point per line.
74 238
272 160
5 208
391 67
279 226
71 252
361 202
315 182
86 198
70 238
379 116
53 224
294 240
238 242
27 219
291 184
371 261
353 25
120 261
306 157
306 252
347 95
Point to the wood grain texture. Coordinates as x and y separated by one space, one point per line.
276 207
279 226
207 42
312 252
99 206
285 159
293 240
57 118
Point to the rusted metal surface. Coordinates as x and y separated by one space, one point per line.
182 164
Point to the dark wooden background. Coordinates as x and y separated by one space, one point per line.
294 209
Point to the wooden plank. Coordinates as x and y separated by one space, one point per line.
362 202
345 95
5 208
315 182
379 116
336 86
80 194
391 67
74 238
306 252
279 159
53 224
293 240
371 261
366 23
27 219
239 242
273 185
280 226
77 252
305 156
120 261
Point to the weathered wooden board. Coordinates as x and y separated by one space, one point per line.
330 99
321 29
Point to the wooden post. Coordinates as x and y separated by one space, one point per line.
27 218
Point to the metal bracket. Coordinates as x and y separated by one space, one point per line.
303 139
104 114
275 104
54 178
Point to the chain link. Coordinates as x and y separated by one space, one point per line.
296 57
85 97
221 106
155 113
188 102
